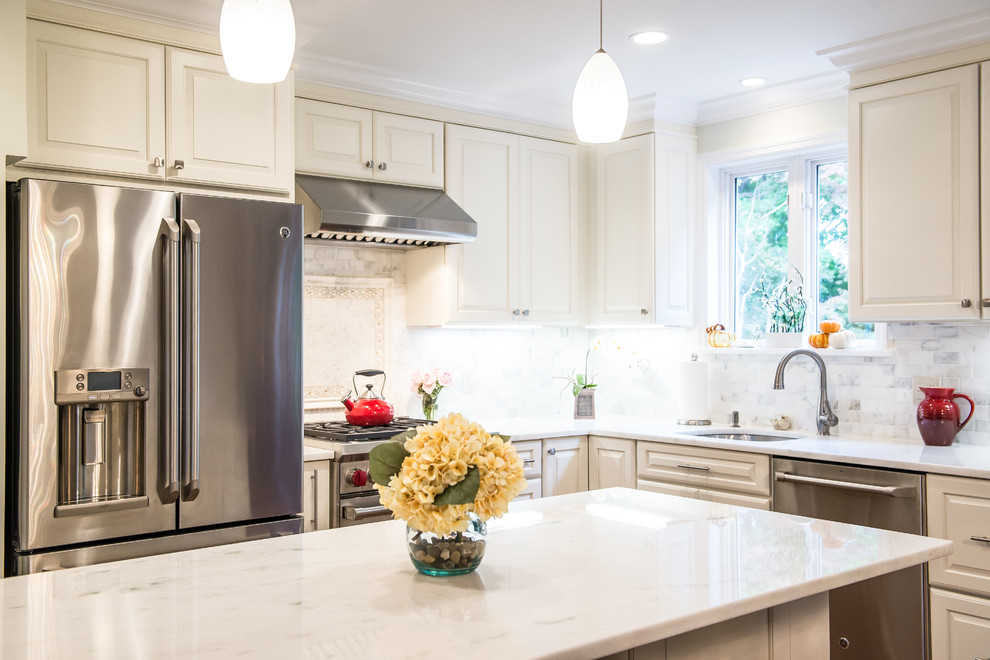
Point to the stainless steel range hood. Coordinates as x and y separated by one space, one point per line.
381 213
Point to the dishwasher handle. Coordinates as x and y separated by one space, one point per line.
888 491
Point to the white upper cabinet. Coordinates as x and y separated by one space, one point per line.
523 266
625 292
224 131
645 230
548 231
97 103
914 191
356 143
482 173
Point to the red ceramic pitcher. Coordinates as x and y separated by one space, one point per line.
938 415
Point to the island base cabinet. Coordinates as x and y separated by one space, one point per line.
793 631
960 626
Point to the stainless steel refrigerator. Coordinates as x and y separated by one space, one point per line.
154 372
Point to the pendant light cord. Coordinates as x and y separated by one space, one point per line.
601 24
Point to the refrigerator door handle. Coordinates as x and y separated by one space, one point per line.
169 235
190 440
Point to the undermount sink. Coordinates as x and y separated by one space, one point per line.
747 437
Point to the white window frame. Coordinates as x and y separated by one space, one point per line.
801 165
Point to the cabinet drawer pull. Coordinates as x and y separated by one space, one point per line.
529 460
966 303
703 468
985 302
980 539
179 164
158 162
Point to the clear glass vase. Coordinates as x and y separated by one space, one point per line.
430 408
453 554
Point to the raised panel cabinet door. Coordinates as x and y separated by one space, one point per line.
549 279
960 626
625 287
959 510
224 131
675 163
984 187
333 139
96 102
612 463
565 465
482 175
914 187
316 495
408 150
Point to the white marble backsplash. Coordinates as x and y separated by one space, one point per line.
510 372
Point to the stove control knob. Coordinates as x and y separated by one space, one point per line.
357 477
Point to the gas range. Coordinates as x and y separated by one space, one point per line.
353 499
346 439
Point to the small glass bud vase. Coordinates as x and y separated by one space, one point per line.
454 554
430 407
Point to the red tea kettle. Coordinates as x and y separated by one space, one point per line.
369 409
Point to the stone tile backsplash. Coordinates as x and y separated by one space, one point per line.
507 372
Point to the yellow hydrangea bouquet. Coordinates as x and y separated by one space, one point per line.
445 480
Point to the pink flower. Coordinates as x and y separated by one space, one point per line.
428 381
444 378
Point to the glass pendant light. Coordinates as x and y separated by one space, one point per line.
601 103
257 39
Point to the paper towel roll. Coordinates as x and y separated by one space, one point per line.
693 402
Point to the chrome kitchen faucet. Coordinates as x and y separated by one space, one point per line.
826 418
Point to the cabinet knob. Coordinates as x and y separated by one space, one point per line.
551 452
158 162
383 166
985 302
525 312
515 312
369 164
644 312
966 303
179 164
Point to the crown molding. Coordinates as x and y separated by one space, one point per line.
773 97
949 34
354 76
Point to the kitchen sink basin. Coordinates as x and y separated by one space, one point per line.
747 437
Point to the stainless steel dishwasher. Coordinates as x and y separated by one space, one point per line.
885 617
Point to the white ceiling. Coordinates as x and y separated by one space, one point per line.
520 58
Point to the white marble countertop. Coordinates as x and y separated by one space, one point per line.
575 576
956 459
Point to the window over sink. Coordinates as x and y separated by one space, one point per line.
785 217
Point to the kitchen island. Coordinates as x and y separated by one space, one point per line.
576 576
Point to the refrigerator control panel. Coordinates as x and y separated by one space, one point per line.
101 385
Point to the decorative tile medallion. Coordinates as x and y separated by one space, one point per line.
346 328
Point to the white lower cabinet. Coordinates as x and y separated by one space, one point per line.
316 495
960 626
565 465
716 475
531 453
611 463
959 510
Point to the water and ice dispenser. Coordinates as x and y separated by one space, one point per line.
102 427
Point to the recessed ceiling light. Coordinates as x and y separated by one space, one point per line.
649 38
752 82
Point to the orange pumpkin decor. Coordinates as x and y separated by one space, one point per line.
819 341
829 326
719 337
